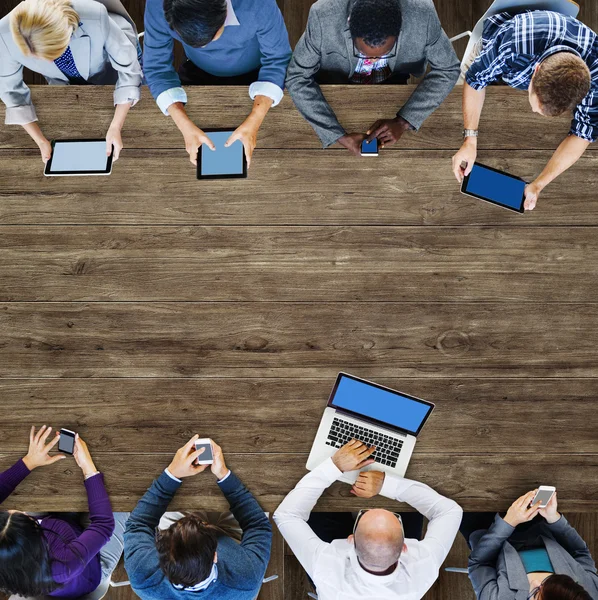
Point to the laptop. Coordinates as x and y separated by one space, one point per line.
375 415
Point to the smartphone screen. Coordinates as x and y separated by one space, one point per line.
207 456
66 444
543 496
370 149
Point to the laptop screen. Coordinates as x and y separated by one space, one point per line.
381 404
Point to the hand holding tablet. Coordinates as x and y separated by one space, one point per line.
226 162
78 157
494 186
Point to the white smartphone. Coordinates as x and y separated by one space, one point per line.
207 456
544 495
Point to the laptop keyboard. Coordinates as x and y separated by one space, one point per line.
388 447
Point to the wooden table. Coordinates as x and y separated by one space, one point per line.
144 307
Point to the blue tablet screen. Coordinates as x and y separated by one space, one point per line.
498 187
222 161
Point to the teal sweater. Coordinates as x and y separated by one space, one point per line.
241 567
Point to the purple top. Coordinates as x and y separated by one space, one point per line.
75 551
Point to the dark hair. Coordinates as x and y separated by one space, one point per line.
562 587
561 82
375 21
186 550
25 562
196 21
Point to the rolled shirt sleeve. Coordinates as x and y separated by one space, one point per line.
275 51
585 119
168 97
496 53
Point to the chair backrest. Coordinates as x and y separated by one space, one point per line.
564 7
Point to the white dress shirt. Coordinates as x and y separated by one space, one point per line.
334 567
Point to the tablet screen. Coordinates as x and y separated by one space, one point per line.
79 157
497 187
227 162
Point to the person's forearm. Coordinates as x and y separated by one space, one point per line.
120 114
179 116
35 132
473 102
567 154
261 106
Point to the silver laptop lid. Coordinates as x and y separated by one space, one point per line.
379 405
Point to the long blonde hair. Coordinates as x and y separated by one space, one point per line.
43 28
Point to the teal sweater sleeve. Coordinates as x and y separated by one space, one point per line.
141 557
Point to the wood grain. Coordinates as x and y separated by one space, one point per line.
325 263
464 478
472 416
507 121
297 339
159 187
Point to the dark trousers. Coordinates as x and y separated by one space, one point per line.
337 526
191 74
332 77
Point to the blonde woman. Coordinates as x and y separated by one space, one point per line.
68 42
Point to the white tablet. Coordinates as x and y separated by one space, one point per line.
78 157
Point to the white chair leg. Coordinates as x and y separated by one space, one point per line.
119 583
461 35
271 578
456 570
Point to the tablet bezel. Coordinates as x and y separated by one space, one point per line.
49 173
464 191
242 175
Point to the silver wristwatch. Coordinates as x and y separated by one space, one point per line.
470 133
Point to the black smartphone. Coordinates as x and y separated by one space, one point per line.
66 444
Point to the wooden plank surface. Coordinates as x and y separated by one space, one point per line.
507 121
489 416
484 482
157 187
339 263
379 339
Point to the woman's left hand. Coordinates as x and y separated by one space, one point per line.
114 143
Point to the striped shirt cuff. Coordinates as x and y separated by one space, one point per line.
168 97
268 89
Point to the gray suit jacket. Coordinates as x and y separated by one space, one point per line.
496 570
326 47
104 47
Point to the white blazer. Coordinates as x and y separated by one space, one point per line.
104 48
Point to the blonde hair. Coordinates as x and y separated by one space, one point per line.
43 28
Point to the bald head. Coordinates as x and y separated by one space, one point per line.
378 540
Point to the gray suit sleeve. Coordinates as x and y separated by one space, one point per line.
572 542
440 79
483 558
304 89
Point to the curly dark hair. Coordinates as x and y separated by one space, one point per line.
375 21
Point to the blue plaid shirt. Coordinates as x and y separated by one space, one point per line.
512 46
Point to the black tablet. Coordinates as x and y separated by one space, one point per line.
495 186
222 163
78 157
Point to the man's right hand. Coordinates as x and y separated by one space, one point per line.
522 510
194 138
465 157
352 456
183 464
352 142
